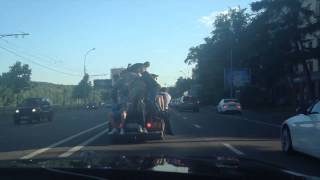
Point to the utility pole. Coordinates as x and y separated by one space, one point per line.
15 35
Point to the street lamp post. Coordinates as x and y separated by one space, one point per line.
85 59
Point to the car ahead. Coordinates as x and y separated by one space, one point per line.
173 103
229 105
91 106
188 103
33 109
302 131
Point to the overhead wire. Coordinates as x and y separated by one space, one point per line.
37 63
39 57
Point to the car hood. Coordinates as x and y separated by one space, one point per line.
212 166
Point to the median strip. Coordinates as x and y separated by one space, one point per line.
82 145
40 151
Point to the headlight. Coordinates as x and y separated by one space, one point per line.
17 111
34 110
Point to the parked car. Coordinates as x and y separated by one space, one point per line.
188 103
91 106
33 109
302 132
229 105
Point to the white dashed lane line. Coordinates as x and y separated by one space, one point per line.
233 149
197 126
83 144
40 151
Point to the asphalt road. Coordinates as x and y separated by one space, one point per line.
204 134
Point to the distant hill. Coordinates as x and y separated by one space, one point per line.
57 93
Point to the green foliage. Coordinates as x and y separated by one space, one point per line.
83 89
268 42
17 79
180 87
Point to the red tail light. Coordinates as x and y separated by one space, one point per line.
238 106
149 125
225 106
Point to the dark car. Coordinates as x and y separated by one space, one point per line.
91 106
188 103
33 109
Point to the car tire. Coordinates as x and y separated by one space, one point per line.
286 141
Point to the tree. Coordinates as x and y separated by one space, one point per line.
17 79
182 85
83 89
213 56
290 26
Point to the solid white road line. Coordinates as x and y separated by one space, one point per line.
233 149
80 146
197 126
39 151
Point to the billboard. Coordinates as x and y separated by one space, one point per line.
239 77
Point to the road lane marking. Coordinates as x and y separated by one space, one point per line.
197 126
254 121
82 145
233 149
264 123
39 151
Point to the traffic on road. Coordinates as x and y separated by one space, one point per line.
162 89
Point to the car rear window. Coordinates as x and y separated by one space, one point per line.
31 102
231 101
189 99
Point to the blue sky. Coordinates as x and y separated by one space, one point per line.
122 31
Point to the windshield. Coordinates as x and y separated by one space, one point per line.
231 101
31 102
172 78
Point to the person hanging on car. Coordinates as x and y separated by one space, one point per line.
165 113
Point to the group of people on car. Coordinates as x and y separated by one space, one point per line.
131 86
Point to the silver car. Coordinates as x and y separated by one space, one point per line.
229 105
302 132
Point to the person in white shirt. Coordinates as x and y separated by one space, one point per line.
166 101
166 98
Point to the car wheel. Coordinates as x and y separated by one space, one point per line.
286 142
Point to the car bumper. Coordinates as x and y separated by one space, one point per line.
26 116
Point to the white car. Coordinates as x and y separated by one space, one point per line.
302 132
229 105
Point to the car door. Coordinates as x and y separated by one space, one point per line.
313 134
